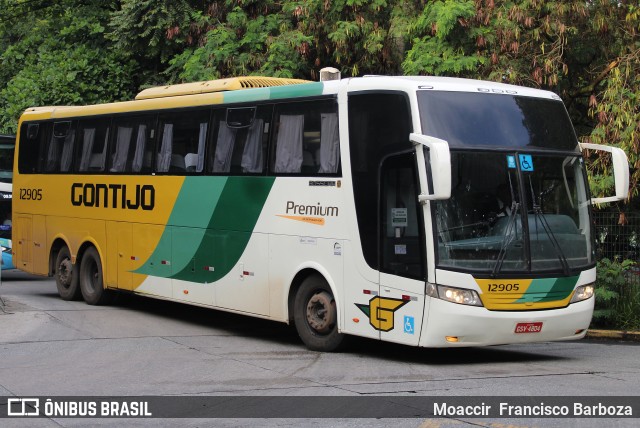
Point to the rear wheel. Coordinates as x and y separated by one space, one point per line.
91 284
316 316
66 275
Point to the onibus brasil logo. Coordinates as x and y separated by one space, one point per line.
380 312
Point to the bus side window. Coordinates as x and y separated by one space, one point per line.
307 139
59 151
240 142
182 142
93 138
133 147
32 138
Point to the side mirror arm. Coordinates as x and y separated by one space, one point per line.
440 163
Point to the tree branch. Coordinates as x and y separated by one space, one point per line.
591 87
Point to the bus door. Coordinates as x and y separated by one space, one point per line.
398 311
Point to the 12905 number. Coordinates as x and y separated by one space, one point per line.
31 194
503 287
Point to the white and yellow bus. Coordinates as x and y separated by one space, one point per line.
425 211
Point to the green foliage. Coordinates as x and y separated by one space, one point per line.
152 29
60 58
244 45
617 298
438 46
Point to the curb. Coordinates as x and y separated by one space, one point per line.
629 336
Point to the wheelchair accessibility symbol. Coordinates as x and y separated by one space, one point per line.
409 324
526 163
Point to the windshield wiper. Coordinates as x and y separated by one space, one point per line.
538 214
507 239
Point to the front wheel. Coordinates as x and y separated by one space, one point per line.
66 275
91 284
316 316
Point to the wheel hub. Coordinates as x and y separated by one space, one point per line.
321 312
64 272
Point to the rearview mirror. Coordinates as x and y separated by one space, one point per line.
620 172
440 166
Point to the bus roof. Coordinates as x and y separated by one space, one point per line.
220 85
451 84
251 89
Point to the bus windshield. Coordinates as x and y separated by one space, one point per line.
467 119
519 208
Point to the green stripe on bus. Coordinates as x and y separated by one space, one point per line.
222 213
272 93
247 95
198 199
301 90
549 289
230 229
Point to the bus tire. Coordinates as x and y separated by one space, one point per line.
91 283
316 317
66 275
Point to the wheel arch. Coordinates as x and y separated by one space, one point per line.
302 273
86 245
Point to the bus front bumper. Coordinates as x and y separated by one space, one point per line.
449 324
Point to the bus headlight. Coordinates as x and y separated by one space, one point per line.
459 295
582 293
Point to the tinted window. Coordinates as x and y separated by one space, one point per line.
240 140
7 146
32 138
401 223
132 150
379 124
93 137
58 155
306 138
182 141
480 119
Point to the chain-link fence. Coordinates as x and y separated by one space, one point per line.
619 240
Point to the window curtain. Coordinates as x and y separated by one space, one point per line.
164 156
202 138
122 149
289 144
52 154
224 148
67 152
329 143
99 160
138 156
252 154
89 135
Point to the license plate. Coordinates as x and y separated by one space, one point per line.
528 327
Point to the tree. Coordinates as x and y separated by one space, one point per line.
296 39
56 54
